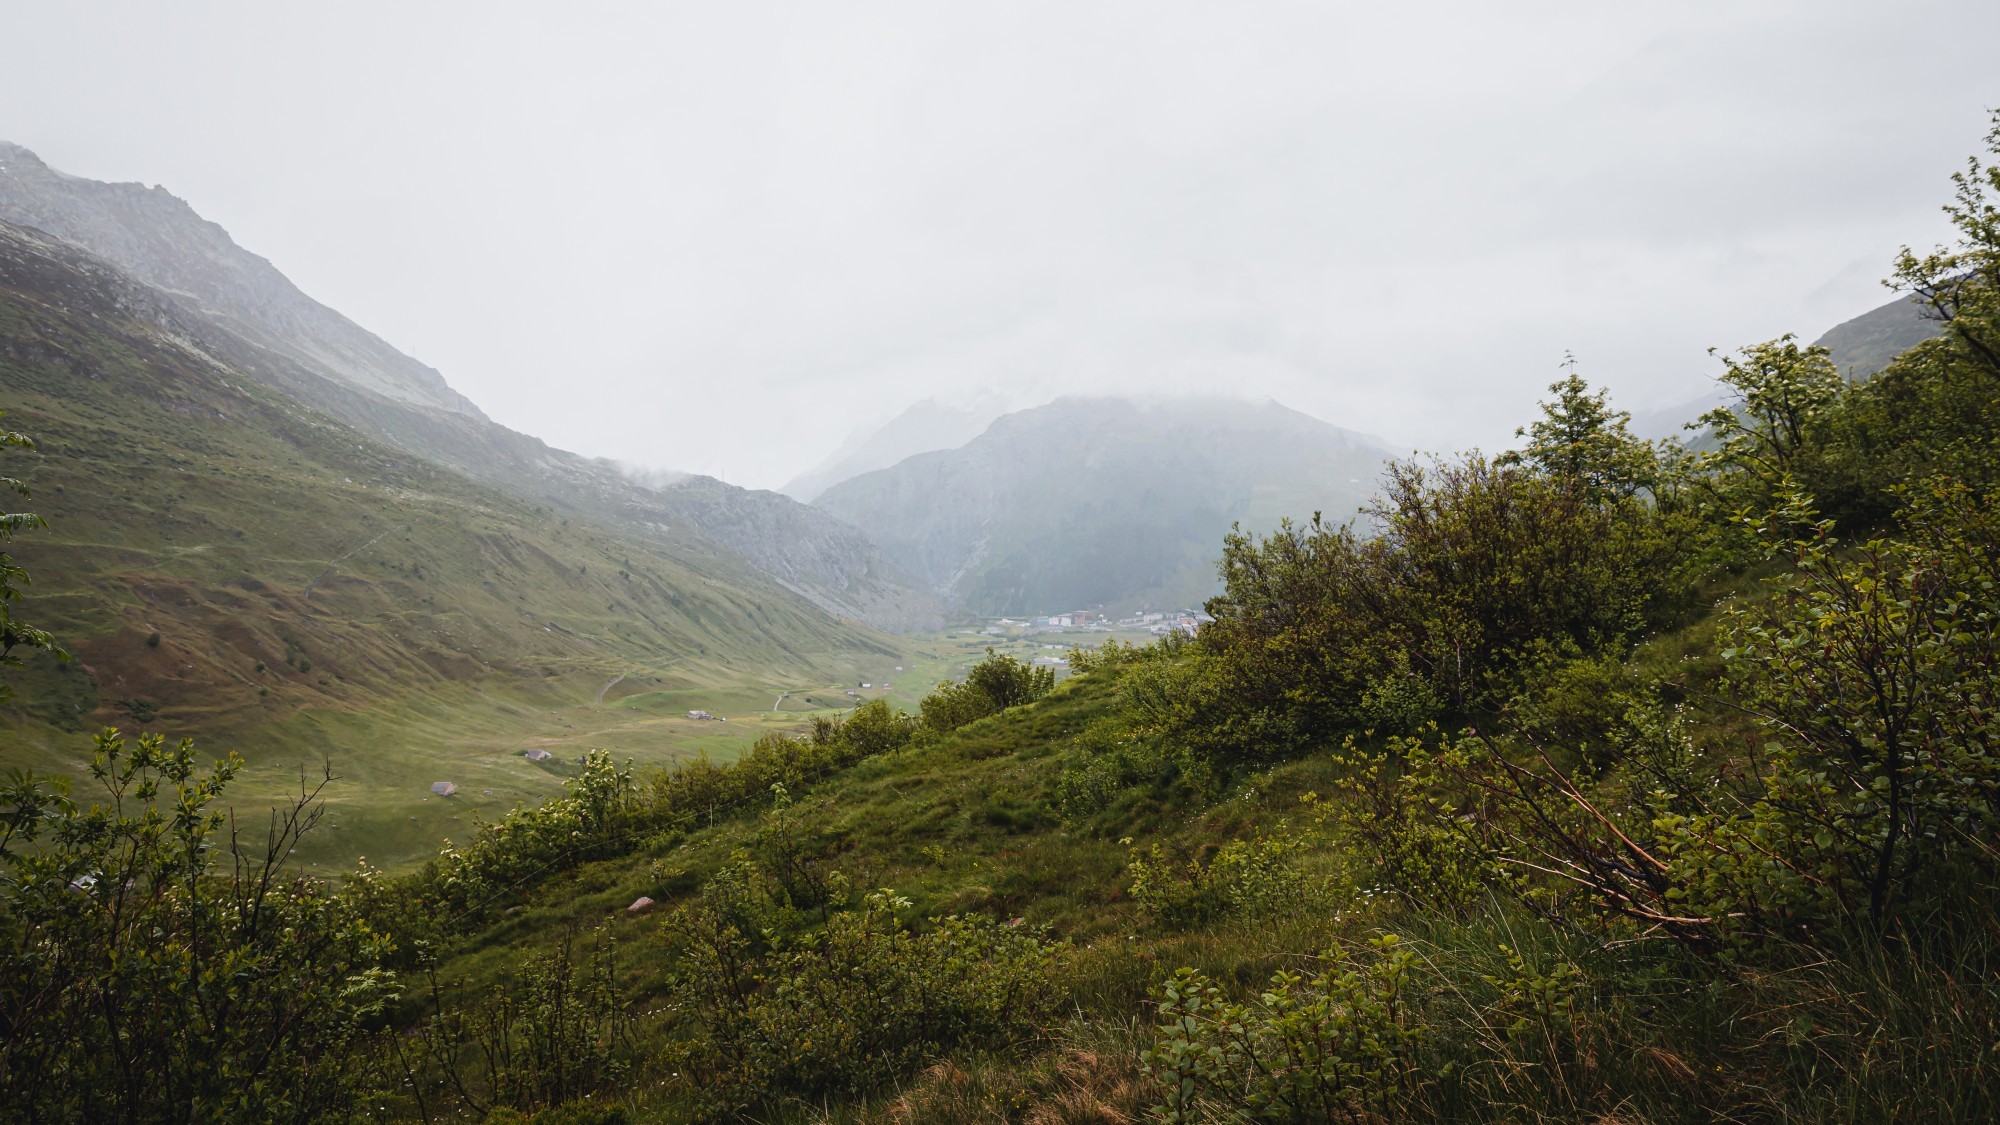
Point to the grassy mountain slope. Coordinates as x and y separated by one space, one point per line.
1088 502
1861 347
1865 345
270 332
227 561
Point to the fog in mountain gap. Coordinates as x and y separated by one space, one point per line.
722 237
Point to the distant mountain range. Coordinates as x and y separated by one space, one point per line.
1088 502
1110 502
285 339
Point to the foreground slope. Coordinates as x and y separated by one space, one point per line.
1088 502
227 561
287 340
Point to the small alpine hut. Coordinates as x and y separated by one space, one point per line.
444 788
539 755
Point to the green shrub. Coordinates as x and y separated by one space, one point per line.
1414 817
571 1113
605 814
697 792
993 685
1263 877
790 852
856 1005
1108 759
140 983
1876 675
1480 570
554 1033
1336 1046
465 884
1116 654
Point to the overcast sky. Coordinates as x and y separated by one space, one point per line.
721 236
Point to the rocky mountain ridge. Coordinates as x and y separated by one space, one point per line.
279 335
156 238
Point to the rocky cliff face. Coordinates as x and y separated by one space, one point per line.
268 329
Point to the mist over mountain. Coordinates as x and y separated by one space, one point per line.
1104 501
291 342
923 427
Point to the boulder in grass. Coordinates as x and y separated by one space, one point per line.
538 755
639 905
444 788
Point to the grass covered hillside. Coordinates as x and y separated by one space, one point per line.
222 560
1601 782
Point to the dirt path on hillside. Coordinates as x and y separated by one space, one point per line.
608 685
335 564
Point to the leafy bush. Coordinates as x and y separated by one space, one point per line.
139 983
1262 877
993 685
15 633
1337 1046
605 814
557 1032
1417 835
788 850
1116 654
1534 1001
696 792
1107 760
1876 674
1481 570
849 1008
